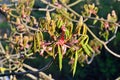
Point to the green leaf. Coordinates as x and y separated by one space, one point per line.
84 29
75 63
54 1
38 40
59 23
60 57
31 3
95 21
67 33
84 39
90 48
41 36
87 51
79 25
34 48
86 8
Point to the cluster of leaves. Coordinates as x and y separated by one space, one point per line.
106 27
67 39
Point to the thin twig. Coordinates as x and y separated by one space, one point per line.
1 48
89 17
41 74
8 5
74 3
102 42
90 61
42 9
114 36
29 75
110 51
48 3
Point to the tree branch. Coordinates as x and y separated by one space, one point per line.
41 74
74 3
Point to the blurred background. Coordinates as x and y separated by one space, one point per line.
104 67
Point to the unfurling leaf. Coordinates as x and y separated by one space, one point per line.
84 29
112 16
54 1
67 33
80 21
79 25
86 8
59 23
84 39
35 47
87 51
25 40
91 6
38 40
65 1
30 3
60 57
48 18
75 63
95 21
90 48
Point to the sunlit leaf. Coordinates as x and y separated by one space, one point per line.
86 8
80 21
34 48
96 9
54 1
67 33
31 3
60 57
84 29
91 6
75 63
41 36
84 39
59 23
79 25
38 40
95 21
90 48
87 51
48 17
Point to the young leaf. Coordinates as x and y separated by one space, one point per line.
87 51
84 39
34 48
60 57
67 33
89 47
48 17
80 21
38 40
75 63
95 21
31 3
59 23
41 36
79 26
84 29
86 8
54 1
